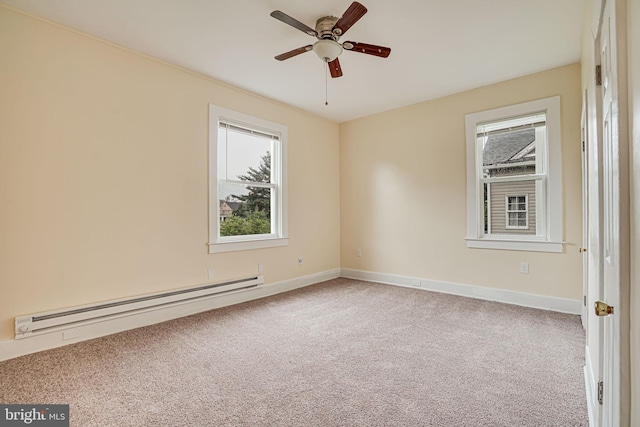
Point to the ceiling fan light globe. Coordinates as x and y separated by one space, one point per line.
327 50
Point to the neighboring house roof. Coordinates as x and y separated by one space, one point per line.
232 205
502 147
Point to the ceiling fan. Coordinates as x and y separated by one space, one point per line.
328 31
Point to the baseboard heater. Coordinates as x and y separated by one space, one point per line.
29 325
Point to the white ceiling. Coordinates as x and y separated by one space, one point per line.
438 47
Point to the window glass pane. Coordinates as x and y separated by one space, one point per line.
509 154
244 210
512 213
231 191
509 148
243 156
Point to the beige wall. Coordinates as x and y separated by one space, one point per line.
103 175
403 192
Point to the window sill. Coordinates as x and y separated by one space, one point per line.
516 245
245 245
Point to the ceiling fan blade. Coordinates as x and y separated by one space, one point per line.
335 69
294 52
350 17
369 49
281 16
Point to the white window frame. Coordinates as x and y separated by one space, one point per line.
279 227
516 211
548 237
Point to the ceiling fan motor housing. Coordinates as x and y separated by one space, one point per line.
324 28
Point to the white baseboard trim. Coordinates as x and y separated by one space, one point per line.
589 384
15 348
543 302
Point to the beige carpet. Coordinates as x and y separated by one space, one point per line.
340 353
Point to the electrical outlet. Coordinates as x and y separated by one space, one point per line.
260 267
358 252
300 261
211 273
524 267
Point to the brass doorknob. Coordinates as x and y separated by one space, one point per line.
582 250
603 309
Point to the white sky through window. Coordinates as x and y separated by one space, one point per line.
237 152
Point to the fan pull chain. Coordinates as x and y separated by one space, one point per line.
326 83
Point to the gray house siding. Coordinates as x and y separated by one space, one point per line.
498 193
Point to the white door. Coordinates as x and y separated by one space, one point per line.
614 226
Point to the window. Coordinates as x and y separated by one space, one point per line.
514 184
247 182
517 212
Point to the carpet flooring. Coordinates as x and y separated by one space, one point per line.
339 353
